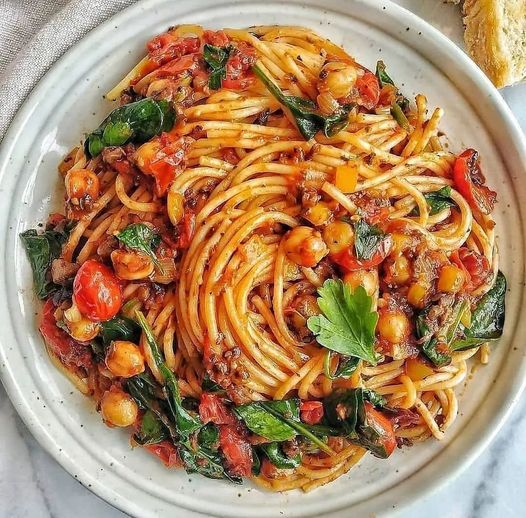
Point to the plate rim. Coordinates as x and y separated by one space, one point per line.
421 485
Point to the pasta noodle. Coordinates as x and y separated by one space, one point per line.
291 174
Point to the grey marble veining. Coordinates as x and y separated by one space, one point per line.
32 484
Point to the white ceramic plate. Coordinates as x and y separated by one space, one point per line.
68 102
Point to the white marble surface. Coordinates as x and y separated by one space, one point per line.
32 484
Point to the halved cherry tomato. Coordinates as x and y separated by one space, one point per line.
167 452
96 291
186 229
311 411
469 182
348 260
169 154
237 451
383 426
70 352
238 84
475 266
238 75
212 409
369 90
187 63
217 38
167 46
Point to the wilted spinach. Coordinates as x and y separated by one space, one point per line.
186 423
119 328
275 454
308 119
216 58
41 250
400 104
345 410
134 122
487 319
140 237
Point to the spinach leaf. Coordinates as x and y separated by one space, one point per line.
41 250
119 328
367 239
346 366
400 104
275 454
204 461
142 389
399 116
347 324
151 431
382 75
256 462
345 409
140 237
208 436
487 320
186 423
216 58
277 421
430 346
135 122
307 117
437 201
260 421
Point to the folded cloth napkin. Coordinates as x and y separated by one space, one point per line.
34 34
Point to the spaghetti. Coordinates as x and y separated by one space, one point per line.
269 263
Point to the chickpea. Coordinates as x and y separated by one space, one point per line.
124 359
339 236
318 215
175 206
303 307
82 188
393 326
118 408
366 278
131 266
400 270
451 279
79 327
305 247
337 79
416 296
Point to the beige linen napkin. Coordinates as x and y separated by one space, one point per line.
34 34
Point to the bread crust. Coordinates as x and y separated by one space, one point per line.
495 38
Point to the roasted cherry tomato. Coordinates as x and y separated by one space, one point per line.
368 89
217 38
383 426
311 411
186 229
167 452
469 182
475 266
237 451
212 409
70 352
96 291
348 260
167 46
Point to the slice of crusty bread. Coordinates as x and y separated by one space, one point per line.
496 38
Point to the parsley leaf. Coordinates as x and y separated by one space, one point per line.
367 239
216 58
142 238
347 324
